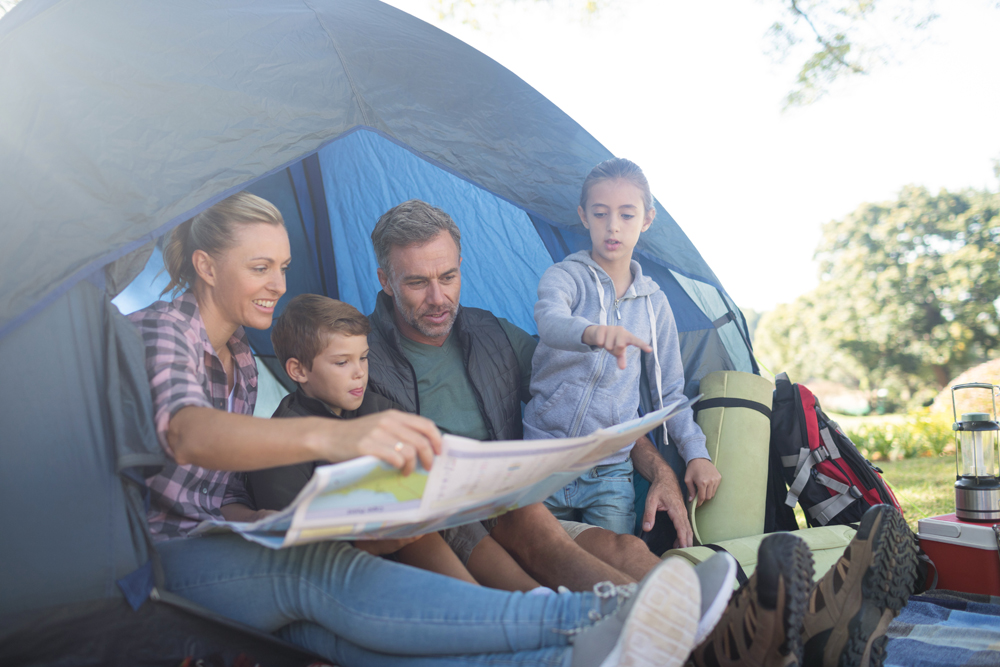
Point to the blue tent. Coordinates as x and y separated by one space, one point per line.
122 119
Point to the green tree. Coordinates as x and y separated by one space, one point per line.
907 298
921 274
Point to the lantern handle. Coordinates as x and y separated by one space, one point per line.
974 385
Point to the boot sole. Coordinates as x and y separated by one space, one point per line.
660 628
885 587
795 565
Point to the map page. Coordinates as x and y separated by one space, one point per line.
469 481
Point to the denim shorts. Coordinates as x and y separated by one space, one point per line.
603 496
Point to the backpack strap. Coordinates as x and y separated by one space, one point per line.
741 576
804 464
831 446
831 507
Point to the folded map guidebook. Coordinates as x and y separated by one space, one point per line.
470 480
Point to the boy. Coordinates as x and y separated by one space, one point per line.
323 345
596 301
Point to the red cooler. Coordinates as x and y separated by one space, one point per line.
964 553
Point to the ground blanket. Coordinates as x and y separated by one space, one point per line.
945 629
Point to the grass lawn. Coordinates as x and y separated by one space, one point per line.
923 486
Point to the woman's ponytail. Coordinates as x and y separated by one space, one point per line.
177 258
212 231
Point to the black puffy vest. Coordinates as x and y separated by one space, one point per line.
489 359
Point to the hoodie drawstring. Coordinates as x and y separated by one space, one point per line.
600 293
656 361
652 329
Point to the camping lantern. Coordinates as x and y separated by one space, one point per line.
977 489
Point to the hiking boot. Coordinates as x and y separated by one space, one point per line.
852 605
653 627
762 627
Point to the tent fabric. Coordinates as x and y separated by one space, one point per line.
75 412
213 95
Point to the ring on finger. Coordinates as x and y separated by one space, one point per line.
398 447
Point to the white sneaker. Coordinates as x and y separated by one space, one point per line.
655 627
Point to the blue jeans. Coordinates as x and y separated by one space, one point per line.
357 609
603 496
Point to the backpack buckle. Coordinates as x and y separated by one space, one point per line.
819 455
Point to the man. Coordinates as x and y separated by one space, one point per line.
469 371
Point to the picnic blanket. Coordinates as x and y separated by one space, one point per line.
944 629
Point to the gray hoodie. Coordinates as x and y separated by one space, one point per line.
576 388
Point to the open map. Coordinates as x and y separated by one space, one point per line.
469 481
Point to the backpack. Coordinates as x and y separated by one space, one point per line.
823 470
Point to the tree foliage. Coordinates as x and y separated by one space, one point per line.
907 299
838 38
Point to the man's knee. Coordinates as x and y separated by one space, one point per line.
608 545
530 527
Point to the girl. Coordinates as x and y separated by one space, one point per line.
329 597
598 301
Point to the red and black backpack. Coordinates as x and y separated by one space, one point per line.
813 463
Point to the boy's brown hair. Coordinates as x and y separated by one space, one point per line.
301 331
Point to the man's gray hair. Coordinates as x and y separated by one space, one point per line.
413 222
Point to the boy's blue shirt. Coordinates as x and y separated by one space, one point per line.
575 388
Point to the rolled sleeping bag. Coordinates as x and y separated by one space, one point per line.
735 415
827 544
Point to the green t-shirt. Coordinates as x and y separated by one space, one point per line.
446 394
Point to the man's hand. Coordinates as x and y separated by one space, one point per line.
613 339
664 491
383 547
665 495
702 478
398 438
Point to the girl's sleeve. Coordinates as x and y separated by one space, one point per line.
681 427
557 326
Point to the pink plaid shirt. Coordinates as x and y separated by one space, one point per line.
184 370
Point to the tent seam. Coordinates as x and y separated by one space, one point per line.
347 72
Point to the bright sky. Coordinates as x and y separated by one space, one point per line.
685 90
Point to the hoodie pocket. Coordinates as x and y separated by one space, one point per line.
601 412
555 415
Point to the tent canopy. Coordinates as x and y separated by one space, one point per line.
121 120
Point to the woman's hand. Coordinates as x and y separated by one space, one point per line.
613 339
702 477
398 438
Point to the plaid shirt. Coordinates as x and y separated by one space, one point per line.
184 370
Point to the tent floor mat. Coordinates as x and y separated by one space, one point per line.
108 632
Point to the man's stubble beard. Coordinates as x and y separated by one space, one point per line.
410 317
